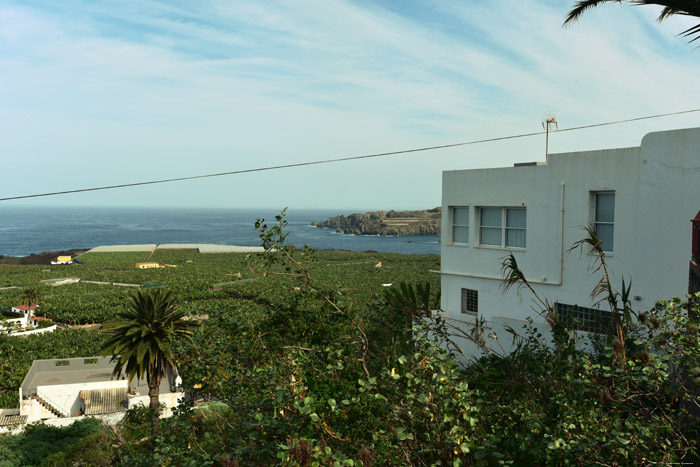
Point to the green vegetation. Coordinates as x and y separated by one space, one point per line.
314 363
139 339
192 284
85 442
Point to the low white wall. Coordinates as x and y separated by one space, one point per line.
35 411
170 400
34 331
66 396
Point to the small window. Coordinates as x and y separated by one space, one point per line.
470 301
62 363
492 231
515 227
584 319
460 225
604 219
90 361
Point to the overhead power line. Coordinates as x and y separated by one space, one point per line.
343 159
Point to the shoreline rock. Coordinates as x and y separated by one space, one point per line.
44 258
387 223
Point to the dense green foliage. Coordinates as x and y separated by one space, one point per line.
85 442
313 363
245 300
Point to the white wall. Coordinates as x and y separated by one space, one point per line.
66 397
170 400
657 192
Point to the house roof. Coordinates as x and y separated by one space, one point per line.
25 307
83 370
7 420
101 401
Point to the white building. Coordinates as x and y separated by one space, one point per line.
639 199
74 387
20 321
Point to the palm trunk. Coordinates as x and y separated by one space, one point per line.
153 381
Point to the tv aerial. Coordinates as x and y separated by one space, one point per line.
549 120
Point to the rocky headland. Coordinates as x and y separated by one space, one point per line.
44 258
386 223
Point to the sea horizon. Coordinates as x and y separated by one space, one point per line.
26 230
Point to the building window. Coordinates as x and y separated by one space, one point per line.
470 301
460 225
604 219
503 227
584 319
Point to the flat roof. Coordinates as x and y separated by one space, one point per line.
121 248
202 247
82 370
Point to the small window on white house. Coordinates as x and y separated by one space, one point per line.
470 301
515 227
492 231
460 225
491 226
604 219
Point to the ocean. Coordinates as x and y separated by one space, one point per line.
29 230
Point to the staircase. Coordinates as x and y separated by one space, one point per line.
50 407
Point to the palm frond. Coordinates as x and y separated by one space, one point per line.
669 8
580 8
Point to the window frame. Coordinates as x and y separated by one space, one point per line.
584 319
594 217
453 225
504 227
467 297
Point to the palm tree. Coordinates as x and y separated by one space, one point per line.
29 298
140 341
670 8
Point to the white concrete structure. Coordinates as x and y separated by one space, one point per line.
21 321
71 387
639 199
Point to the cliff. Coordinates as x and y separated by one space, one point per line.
425 222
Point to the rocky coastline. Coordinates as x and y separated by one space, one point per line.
44 258
387 223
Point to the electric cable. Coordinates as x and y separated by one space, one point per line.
343 159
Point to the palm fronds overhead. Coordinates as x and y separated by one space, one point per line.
669 8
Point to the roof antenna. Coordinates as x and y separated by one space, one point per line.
549 119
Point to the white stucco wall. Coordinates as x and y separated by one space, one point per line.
657 192
33 331
170 400
35 411
66 397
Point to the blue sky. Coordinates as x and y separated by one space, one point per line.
100 93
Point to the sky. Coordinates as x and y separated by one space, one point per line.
96 93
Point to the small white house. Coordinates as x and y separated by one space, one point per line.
640 201
18 317
73 387
20 321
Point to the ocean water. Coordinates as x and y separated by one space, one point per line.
28 230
